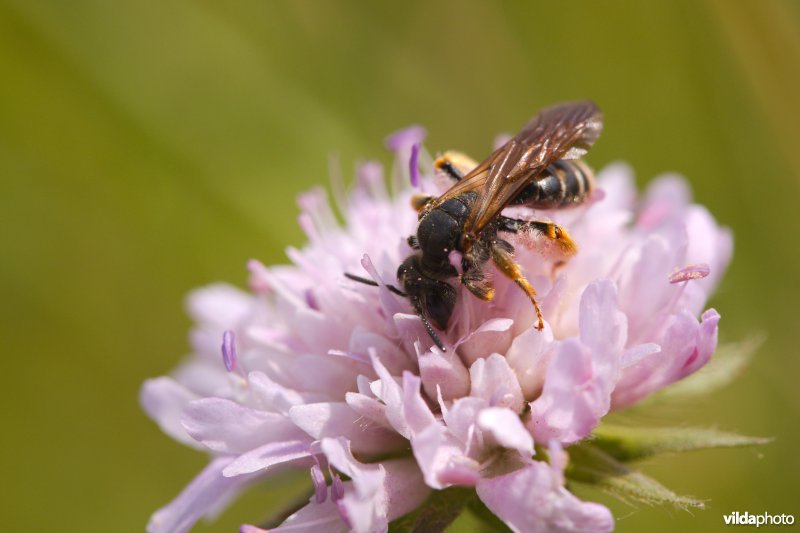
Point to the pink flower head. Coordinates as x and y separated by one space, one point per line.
324 374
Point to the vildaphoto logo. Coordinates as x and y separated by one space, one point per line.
764 519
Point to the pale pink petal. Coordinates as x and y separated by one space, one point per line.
405 487
604 328
203 376
667 197
248 528
364 505
416 413
445 371
164 399
461 420
370 179
377 493
645 294
336 419
339 455
687 346
533 500
389 302
271 396
405 138
506 429
315 517
709 244
228 427
411 331
333 376
494 381
369 407
492 336
391 393
441 458
196 499
617 182
529 356
388 353
258 280
576 394
220 304
633 355
267 456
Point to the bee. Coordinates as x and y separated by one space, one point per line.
538 168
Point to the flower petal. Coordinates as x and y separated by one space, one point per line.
405 138
271 396
494 381
441 458
533 500
445 371
377 493
506 429
604 328
164 399
686 347
196 499
228 427
336 419
494 335
576 394
529 356
267 456
416 412
313 517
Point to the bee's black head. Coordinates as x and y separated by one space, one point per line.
434 300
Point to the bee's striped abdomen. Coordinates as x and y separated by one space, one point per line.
563 183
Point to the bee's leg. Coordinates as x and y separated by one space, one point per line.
419 201
503 256
454 164
473 276
549 230
478 284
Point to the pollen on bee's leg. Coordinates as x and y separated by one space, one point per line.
504 259
557 241
455 164
419 201
563 239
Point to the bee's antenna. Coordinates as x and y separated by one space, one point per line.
428 327
366 281
414 301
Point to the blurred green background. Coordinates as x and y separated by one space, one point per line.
147 148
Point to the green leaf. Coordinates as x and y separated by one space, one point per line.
727 363
439 511
591 465
626 443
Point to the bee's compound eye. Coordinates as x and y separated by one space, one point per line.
557 232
